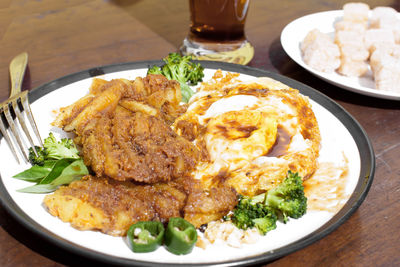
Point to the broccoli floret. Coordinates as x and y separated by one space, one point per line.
265 224
195 73
249 214
41 155
288 197
181 69
262 211
154 70
53 150
257 199
64 148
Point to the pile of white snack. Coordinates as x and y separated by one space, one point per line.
364 39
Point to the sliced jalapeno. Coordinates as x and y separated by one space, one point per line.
146 236
180 236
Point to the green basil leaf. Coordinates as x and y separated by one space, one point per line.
74 171
39 189
36 172
56 171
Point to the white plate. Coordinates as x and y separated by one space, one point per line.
295 32
340 133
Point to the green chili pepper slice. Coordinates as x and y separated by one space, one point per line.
180 236
146 236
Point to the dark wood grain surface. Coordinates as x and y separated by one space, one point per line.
67 36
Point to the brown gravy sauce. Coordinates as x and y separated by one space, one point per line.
326 189
234 126
282 143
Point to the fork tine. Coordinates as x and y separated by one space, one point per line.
15 131
28 112
8 140
21 121
17 70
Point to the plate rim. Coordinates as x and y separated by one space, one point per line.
362 90
367 170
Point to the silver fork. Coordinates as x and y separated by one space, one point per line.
10 127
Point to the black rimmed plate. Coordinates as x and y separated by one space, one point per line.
341 134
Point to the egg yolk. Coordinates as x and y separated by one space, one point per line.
237 136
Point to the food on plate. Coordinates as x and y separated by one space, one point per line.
180 236
136 146
356 11
351 26
204 204
238 148
384 54
112 206
252 213
353 68
228 233
262 211
353 53
320 52
386 18
53 150
326 191
358 35
287 198
146 236
385 64
181 69
54 164
124 145
152 95
125 141
351 46
253 132
375 38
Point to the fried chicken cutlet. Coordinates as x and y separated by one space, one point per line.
136 146
154 95
111 206
123 129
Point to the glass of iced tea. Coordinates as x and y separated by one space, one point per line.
217 31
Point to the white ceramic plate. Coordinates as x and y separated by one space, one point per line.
340 134
295 32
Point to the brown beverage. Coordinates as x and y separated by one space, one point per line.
218 20
217 31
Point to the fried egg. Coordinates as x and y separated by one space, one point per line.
251 133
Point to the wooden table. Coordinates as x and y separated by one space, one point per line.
67 36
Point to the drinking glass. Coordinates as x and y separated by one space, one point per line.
217 31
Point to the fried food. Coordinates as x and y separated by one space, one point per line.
123 129
154 95
204 206
253 133
111 206
235 137
136 146
76 116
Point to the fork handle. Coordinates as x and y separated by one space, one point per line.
17 71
